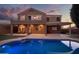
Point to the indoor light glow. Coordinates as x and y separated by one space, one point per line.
36 17
21 28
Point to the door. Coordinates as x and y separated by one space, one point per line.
52 29
36 29
21 29
15 29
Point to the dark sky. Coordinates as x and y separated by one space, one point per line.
10 10
13 9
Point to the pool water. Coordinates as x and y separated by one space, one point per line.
34 46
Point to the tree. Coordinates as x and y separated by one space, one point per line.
75 14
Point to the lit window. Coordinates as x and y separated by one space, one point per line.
40 27
36 17
31 28
21 28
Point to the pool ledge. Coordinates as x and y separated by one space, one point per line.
63 37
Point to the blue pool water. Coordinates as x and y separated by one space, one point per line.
34 46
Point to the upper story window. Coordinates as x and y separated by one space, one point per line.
22 17
48 19
29 17
58 19
35 17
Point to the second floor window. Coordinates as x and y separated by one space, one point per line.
22 17
34 17
29 17
58 18
48 19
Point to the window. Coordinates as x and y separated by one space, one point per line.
35 17
58 18
29 17
48 19
54 28
22 17
21 28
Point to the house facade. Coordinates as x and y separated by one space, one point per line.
33 21
4 29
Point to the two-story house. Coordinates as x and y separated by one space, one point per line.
32 21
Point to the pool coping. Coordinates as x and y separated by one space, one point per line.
10 40
43 38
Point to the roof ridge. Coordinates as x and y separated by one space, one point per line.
29 9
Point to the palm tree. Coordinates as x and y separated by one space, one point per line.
75 14
75 18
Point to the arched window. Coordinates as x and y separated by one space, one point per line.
21 29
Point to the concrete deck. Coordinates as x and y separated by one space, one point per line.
43 36
52 37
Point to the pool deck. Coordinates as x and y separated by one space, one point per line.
43 36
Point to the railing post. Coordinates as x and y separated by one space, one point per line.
28 29
45 30
70 29
70 45
11 28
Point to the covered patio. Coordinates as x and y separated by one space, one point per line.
61 24
44 28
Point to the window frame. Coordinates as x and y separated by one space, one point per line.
31 17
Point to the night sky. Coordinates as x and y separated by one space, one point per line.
8 11
13 9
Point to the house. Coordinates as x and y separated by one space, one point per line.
33 21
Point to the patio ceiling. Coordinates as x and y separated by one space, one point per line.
59 23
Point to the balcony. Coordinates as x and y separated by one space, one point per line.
28 22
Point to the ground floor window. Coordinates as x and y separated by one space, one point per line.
29 28
21 28
36 28
54 28
15 28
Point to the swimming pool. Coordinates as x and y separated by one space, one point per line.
35 46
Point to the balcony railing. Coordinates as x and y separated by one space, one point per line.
28 21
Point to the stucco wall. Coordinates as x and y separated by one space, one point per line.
4 29
53 18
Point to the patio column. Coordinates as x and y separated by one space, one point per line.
45 30
70 44
28 29
11 29
70 29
